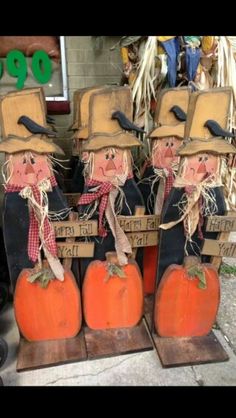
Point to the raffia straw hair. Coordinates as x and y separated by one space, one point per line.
7 171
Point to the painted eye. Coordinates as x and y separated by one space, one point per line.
172 144
32 160
112 156
107 156
200 159
24 160
167 144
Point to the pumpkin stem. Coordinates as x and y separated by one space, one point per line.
190 261
111 258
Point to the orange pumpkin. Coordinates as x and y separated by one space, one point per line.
112 300
184 308
150 255
47 313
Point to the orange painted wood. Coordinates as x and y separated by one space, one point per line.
50 313
113 303
181 308
150 255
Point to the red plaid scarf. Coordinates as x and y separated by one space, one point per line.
102 194
33 234
169 183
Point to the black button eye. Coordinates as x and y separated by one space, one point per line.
172 144
24 160
167 144
112 156
200 159
107 157
32 160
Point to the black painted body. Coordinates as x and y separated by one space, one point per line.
16 227
172 241
103 245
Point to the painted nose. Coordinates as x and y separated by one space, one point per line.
110 166
29 169
202 168
169 153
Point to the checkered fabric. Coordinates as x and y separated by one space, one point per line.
102 194
169 180
33 234
48 231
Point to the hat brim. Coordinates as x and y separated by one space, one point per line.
74 126
119 140
39 144
215 146
165 130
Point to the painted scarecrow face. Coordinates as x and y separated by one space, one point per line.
200 166
164 151
109 163
28 168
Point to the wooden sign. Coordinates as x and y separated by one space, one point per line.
221 224
72 198
69 229
139 223
142 239
219 248
75 249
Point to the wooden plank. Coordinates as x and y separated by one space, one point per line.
118 341
142 239
174 352
68 229
72 198
75 250
35 355
139 223
139 210
67 262
219 248
216 261
148 310
221 223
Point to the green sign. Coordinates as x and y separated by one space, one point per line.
16 66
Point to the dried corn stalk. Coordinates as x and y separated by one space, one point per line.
143 88
226 72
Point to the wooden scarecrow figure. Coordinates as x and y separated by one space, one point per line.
32 197
197 190
80 134
109 185
161 169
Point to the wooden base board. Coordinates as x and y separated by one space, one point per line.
89 344
174 352
35 355
114 342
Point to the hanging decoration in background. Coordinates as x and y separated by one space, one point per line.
151 63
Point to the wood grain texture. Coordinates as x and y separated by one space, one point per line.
175 352
36 355
113 342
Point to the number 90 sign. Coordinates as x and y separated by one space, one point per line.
17 67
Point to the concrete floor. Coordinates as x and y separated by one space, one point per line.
139 369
